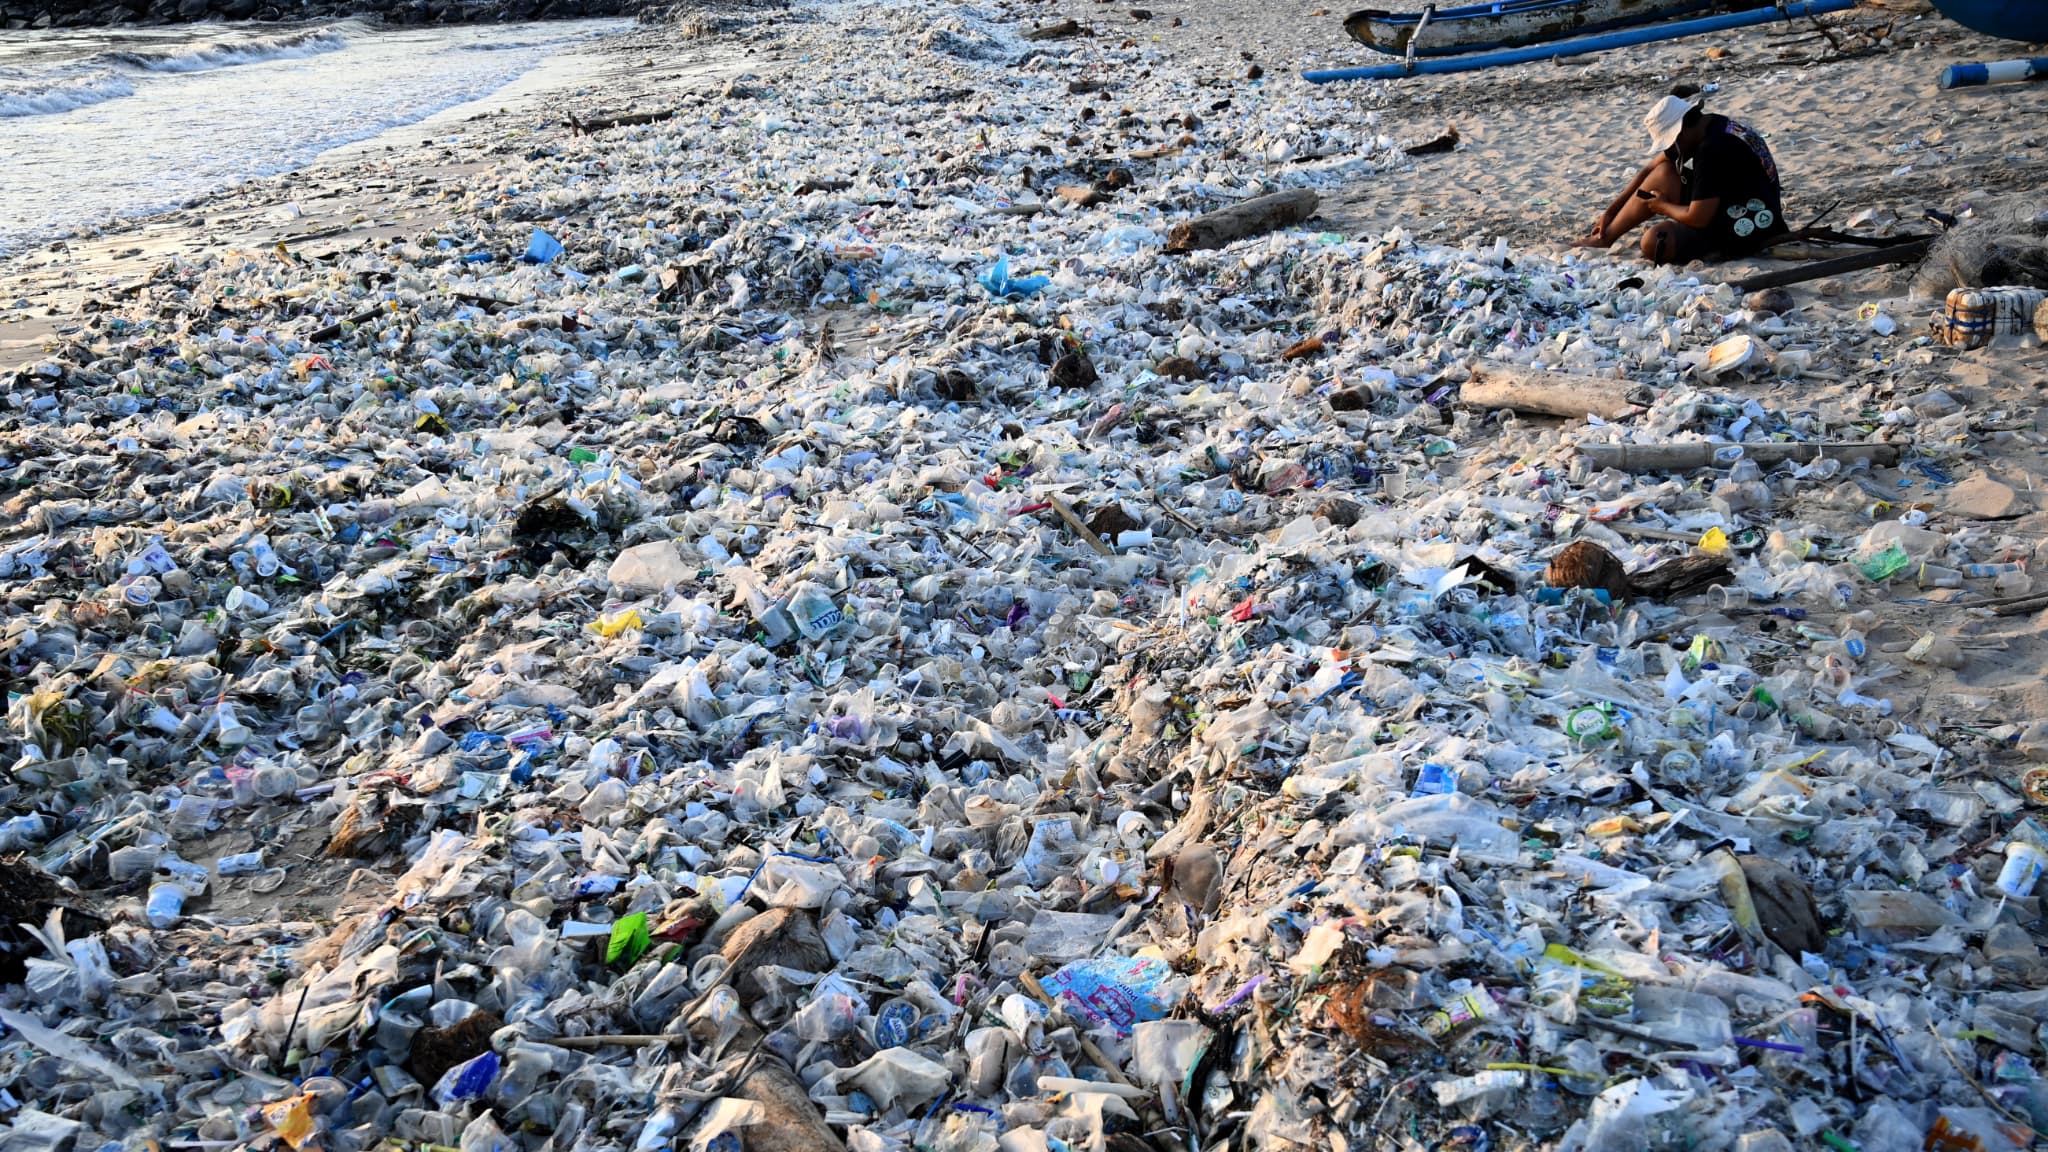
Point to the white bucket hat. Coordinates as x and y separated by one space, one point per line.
1665 120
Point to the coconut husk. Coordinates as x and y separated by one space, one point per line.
777 938
790 1121
359 834
1785 908
436 1050
1584 564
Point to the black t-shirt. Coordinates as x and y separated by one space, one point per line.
1734 166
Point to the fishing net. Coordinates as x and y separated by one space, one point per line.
2000 249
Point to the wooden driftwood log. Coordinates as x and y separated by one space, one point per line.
1874 258
631 119
333 331
1551 393
1060 31
1700 454
1250 218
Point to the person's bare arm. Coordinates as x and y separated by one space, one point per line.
1614 209
1697 214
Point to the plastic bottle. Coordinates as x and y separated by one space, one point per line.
1850 646
1449 1092
1938 576
1459 1011
240 864
1693 1021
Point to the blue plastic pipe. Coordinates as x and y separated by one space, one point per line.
1999 72
1624 39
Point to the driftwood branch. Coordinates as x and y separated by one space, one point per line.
1251 218
1700 454
630 119
1876 258
333 331
627 1040
1550 393
1080 526
1063 30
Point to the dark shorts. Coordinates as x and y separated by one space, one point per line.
1681 244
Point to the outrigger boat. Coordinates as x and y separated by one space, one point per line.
1525 31
1512 23
2025 20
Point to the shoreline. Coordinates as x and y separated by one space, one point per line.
90 15
347 193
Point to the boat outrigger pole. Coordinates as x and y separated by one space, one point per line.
1421 26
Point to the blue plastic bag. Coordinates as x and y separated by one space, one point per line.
467 1080
1120 991
542 248
999 282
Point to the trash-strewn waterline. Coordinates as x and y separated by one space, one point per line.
105 124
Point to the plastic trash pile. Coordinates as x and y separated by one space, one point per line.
774 631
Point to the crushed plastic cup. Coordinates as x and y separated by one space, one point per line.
166 904
2024 863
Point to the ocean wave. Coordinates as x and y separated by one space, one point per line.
62 94
560 41
225 54
508 45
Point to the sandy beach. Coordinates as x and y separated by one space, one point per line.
1543 147
866 538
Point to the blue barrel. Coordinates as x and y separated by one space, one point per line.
2007 19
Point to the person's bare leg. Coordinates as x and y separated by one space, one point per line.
1663 180
1660 243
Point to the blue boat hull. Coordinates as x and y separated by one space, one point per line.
1514 23
2025 20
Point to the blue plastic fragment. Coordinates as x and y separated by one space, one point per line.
542 248
1000 283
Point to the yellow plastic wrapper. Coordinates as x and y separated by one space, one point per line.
1714 543
292 1119
611 625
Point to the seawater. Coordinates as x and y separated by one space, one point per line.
97 124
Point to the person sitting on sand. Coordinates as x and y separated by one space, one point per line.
1713 182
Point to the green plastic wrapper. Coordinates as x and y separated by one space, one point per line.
1885 564
629 940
